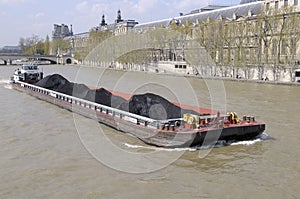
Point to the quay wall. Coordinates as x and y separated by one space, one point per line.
266 74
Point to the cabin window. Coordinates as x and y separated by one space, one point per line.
176 66
184 66
297 74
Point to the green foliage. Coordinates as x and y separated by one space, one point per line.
136 57
251 41
32 45
96 37
60 45
35 45
47 46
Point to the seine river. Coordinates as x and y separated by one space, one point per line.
49 152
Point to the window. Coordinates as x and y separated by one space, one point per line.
284 47
275 27
295 2
293 46
276 4
274 48
286 3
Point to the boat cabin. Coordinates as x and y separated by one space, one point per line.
27 67
28 73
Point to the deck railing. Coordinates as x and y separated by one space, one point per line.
130 117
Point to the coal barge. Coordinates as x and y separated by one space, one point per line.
183 127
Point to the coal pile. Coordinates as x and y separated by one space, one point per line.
147 105
60 84
153 106
104 97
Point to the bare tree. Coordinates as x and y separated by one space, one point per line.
291 39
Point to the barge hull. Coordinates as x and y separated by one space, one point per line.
152 135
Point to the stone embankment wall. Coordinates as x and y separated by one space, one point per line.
246 73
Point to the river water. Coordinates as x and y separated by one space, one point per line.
48 152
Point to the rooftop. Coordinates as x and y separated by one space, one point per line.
226 12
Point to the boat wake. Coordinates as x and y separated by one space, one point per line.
159 148
220 143
8 87
6 83
261 138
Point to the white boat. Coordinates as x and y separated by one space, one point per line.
29 73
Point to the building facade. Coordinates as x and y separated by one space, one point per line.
61 31
255 39
11 50
119 27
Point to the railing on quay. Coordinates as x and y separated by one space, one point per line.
130 117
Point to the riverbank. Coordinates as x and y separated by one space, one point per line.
215 78
286 83
249 80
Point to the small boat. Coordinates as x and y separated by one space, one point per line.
28 73
196 128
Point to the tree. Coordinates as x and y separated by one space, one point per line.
22 44
294 37
60 46
31 45
47 46
96 37
202 36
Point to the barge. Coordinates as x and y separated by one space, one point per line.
186 131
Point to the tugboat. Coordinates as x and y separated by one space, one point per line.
28 73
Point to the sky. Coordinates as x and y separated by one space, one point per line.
25 18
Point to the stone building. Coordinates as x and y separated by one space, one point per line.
61 31
119 27
79 42
255 39
11 49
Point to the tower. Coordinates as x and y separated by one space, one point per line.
103 23
119 17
